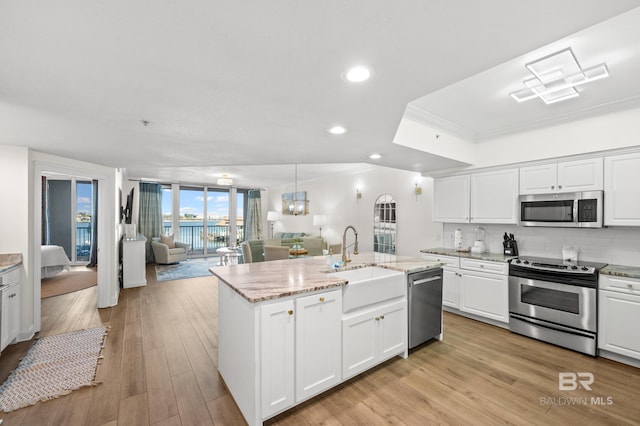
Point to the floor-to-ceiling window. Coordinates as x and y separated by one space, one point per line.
167 210
205 217
83 220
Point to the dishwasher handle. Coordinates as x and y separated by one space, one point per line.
427 280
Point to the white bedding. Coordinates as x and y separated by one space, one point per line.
53 261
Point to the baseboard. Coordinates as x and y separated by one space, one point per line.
619 358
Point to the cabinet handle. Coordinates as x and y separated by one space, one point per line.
377 318
290 312
553 186
322 299
559 186
381 316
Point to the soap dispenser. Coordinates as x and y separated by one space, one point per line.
330 259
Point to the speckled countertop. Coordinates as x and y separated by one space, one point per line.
621 271
261 281
494 257
9 260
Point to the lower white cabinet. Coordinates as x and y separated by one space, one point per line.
373 335
299 348
277 356
485 295
10 321
318 319
451 287
134 262
619 316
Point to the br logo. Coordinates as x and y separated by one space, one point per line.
569 381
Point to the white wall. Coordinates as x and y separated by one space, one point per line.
15 222
335 197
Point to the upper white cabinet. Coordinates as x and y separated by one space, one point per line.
621 201
568 176
487 197
494 197
451 199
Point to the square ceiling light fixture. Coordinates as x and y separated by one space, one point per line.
556 77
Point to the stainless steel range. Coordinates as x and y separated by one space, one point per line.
555 301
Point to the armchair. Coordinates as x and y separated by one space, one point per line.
165 254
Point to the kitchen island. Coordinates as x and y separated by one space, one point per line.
281 329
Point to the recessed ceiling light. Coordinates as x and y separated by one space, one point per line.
337 130
375 156
358 74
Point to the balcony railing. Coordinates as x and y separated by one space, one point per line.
83 243
216 236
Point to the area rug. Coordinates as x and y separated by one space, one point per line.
190 268
78 278
54 366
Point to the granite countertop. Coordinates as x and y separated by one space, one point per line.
261 281
493 257
9 260
621 271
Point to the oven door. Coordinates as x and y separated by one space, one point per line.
563 304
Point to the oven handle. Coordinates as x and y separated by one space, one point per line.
552 326
518 281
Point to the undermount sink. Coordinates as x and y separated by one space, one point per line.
370 285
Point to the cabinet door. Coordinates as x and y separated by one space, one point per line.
277 350
10 315
580 175
618 322
538 179
494 197
450 284
359 343
318 343
392 326
486 295
621 201
451 199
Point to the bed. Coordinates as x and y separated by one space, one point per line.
54 260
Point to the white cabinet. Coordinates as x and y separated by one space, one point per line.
370 336
277 356
619 302
134 262
10 321
318 343
450 278
451 199
494 197
451 287
487 197
568 176
484 289
621 200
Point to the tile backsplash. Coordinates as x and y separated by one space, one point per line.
615 245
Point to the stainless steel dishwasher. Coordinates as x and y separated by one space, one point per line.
425 306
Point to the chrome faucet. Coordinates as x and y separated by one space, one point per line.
344 244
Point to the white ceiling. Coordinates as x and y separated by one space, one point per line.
232 84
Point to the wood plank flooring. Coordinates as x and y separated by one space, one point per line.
160 360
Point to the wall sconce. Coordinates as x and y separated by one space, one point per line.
272 216
417 190
358 194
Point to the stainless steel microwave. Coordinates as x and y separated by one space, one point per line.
569 210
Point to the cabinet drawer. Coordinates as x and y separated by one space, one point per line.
10 278
619 284
452 261
485 266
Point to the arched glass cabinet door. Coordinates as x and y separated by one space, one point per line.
384 225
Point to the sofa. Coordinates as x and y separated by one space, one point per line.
253 250
165 255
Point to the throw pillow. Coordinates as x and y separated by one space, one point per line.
168 240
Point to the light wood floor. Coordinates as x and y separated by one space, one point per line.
160 362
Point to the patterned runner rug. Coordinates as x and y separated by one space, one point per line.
54 366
